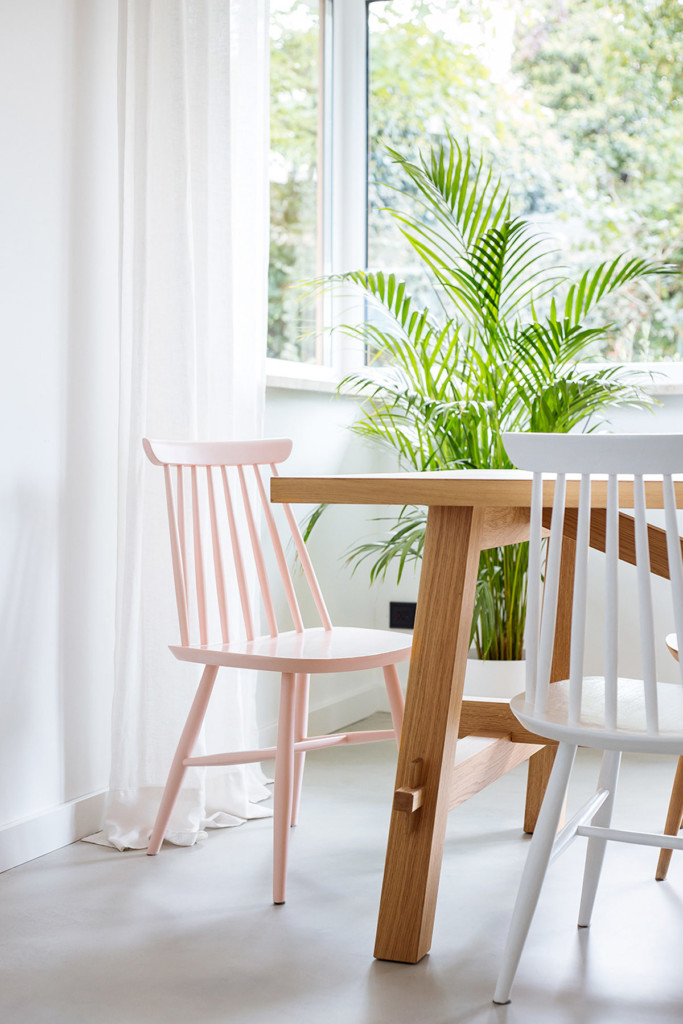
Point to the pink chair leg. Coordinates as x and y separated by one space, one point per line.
395 695
284 777
188 739
300 733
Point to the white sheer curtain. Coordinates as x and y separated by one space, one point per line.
193 81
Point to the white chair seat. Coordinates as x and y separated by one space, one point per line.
672 644
591 731
341 649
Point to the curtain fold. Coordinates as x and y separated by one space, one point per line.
193 137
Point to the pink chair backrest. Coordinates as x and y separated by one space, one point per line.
215 489
621 461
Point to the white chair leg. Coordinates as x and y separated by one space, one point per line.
395 695
300 733
595 854
535 869
284 777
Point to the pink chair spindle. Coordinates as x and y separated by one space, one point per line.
258 555
238 558
287 584
198 558
178 577
217 559
306 564
180 498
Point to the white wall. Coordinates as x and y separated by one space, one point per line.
58 398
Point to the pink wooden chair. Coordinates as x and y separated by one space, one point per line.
215 494
607 712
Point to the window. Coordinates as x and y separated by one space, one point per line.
579 102
295 162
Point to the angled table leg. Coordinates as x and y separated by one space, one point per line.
674 820
430 728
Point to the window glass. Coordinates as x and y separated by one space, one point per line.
294 121
578 103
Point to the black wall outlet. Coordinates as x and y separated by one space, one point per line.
402 614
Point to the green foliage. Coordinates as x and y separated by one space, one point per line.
586 126
443 384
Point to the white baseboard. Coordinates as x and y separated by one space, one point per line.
33 837
336 713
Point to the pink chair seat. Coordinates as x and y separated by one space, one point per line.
342 649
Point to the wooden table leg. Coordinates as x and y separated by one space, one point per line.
563 623
674 819
430 728
540 767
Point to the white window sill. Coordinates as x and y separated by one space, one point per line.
301 376
655 378
668 381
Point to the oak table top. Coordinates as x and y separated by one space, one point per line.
500 488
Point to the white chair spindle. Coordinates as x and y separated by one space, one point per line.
578 633
611 601
533 608
258 555
647 626
552 585
287 584
198 558
217 559
178 573
238 558
673 545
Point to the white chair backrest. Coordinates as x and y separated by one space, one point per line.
620 462
213 491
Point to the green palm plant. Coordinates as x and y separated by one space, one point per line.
498 352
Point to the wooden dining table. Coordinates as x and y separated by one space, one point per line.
468 511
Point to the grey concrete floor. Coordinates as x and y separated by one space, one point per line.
92 936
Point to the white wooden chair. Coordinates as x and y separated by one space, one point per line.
608 712
674 815
216 495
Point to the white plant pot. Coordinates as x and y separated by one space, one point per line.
494 678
